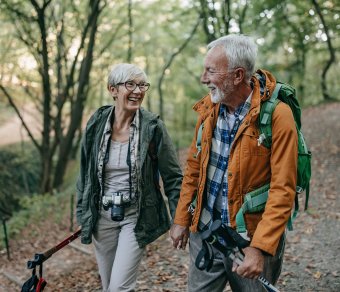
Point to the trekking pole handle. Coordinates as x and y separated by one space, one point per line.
39 258
265 283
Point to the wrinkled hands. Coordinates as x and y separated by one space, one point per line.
179 235
252 265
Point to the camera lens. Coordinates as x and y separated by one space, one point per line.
117 212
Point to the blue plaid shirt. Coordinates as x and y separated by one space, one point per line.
216 206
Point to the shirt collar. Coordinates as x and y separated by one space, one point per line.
244 106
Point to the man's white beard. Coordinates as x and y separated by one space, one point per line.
217 96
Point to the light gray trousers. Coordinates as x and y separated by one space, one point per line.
117 252
221 272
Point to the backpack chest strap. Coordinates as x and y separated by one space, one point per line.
254 201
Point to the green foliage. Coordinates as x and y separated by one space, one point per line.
290 36
30 208
19 176
35 209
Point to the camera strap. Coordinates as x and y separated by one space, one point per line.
128 161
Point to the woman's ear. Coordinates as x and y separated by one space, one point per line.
113 91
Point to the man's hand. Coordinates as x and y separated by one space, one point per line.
179 235
252 265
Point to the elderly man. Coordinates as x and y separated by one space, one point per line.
232 163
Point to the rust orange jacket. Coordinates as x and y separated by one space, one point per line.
250 167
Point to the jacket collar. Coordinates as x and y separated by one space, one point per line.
147 116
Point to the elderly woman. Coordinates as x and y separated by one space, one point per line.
119 203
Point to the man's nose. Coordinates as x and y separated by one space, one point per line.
204 78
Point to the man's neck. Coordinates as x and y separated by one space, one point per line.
237 98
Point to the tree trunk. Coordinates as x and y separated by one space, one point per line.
65 147
129 56
46 155
331 50
204 14
242 16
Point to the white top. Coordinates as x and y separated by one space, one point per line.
116 171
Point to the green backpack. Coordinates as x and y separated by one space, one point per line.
255 201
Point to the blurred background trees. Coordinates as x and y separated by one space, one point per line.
56 54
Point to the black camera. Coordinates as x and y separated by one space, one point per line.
117 201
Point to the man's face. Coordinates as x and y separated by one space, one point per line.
216 75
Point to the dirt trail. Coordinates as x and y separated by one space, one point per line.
312 250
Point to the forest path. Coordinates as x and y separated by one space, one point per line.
312 250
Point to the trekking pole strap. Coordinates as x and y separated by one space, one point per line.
232 250
206 256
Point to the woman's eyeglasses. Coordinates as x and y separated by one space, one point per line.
131 86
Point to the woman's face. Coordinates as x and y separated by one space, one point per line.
130 94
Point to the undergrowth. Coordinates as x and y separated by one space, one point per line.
34 209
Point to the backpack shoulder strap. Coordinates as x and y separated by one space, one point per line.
199 139
266 112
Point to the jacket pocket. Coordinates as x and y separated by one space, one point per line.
149 213
250 145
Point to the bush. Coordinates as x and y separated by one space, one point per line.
37 209
19 176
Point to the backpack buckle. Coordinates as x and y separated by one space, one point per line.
191 209
299 189
198 152
261 138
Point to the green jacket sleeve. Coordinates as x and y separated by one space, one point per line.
169 167
81 180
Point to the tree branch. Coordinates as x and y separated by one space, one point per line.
11 101
168 64
113 37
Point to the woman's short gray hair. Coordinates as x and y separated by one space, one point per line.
241 51
124 72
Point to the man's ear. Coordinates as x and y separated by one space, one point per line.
239 75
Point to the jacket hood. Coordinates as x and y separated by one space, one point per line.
265 81
262 82
149 116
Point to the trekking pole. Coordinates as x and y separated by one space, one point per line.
238 258
39 258
235 243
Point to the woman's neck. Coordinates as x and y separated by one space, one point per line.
121 125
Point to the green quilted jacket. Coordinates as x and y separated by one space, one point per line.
153 218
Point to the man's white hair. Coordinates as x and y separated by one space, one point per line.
241 51
124 72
